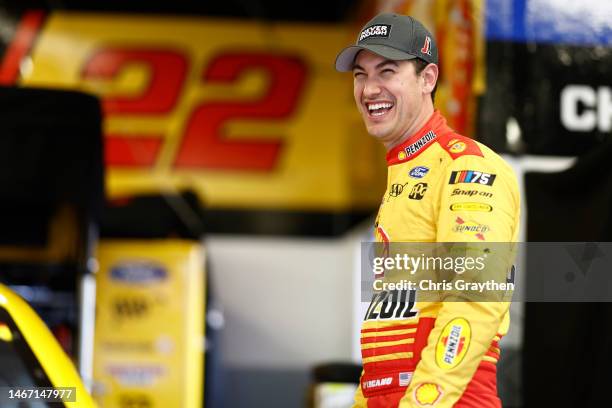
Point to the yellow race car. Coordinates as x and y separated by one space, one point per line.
32 359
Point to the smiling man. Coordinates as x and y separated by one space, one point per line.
442 187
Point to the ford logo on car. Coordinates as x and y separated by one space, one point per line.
418 172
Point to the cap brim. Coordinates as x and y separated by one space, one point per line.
346 58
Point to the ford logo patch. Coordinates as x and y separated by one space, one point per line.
418 172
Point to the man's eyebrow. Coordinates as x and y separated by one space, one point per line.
382 64
385 62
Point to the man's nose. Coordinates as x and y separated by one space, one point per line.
371 88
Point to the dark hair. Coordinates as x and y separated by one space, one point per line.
419 66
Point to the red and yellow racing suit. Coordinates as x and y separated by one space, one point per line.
442 187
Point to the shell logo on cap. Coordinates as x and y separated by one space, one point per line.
401 155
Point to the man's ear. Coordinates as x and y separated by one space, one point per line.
430 77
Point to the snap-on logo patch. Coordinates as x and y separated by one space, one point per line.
380 30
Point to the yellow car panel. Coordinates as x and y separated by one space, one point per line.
22 330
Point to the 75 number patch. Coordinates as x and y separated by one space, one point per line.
471 176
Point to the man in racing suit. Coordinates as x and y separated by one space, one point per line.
442 187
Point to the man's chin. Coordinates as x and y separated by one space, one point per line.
377 132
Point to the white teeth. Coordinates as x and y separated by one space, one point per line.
382 105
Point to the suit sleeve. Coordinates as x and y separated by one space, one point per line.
478 204
359 401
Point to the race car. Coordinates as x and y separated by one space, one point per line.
32 359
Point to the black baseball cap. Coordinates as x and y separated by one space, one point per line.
393 36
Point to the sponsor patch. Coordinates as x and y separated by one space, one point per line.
404 379
396 190
419 144
471 193
471 228
427 394
453 343
379 382
418 172
401 155
379 30
481 207
426 48
472 176
418 191
458 147
396 304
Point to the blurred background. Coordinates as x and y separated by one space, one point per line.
185 186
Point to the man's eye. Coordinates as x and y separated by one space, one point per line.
388 71
358 74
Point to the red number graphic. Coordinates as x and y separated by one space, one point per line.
139 151
168 69
167 76
204 144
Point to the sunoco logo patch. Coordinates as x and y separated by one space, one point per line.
380 30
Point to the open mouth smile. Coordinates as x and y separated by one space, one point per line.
377 109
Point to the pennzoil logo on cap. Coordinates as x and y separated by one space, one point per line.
378 30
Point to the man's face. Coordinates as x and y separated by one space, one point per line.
389 96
